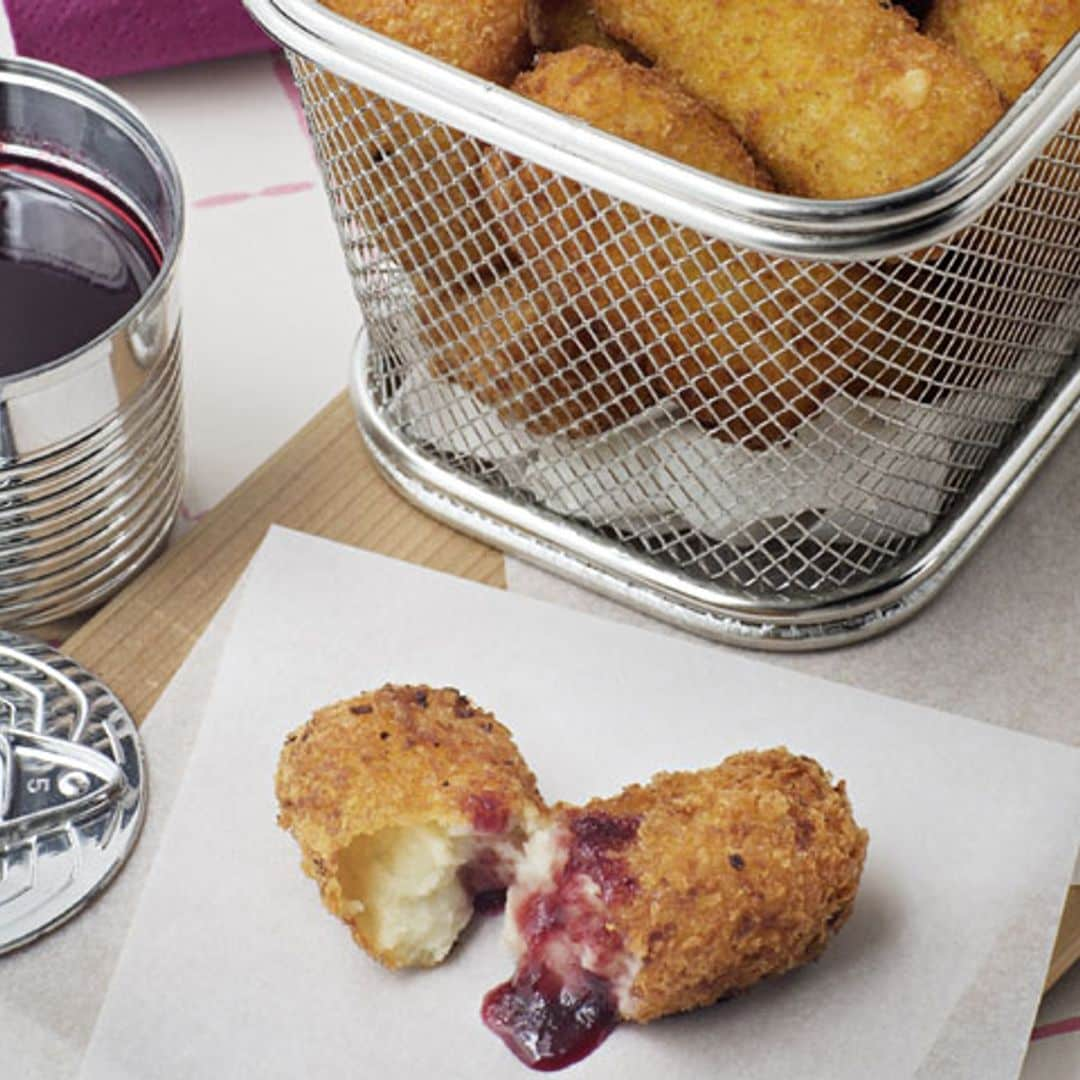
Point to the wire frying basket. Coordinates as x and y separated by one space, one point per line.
776 422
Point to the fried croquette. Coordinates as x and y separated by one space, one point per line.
555 25
407 185
522 351
750 345
407 803
641 106
671 896
488 38
1010 41
428 212
837 98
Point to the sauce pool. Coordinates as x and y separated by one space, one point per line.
73 263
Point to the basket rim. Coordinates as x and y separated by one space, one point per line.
872 227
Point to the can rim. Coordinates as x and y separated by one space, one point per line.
840 229
88 94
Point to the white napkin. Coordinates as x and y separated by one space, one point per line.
653 473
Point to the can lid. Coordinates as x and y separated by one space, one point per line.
72 788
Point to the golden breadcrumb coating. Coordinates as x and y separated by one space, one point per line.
715 880
1010 41
488 38
555 25
394 759
838 98
751 346
641 106
526 355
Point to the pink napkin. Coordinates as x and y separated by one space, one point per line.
102 38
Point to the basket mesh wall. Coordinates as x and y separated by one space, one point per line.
778 428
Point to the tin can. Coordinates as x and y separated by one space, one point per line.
91 443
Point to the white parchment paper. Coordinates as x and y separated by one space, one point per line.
232 967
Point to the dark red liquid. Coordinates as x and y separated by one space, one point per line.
72 264
490 902
488 813
546 1023
598 840
553 1018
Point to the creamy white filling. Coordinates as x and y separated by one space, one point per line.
402 888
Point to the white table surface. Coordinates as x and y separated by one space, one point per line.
269 321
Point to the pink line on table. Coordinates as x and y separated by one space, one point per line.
1061 1027
287 189
225 199
228 198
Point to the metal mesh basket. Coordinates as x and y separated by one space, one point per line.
777 422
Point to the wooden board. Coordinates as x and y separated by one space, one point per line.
322 481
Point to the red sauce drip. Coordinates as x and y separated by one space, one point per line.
546 1023
552 1019
597 838
604 832
541 915
486 876
489 902
487 812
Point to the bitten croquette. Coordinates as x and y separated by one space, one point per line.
711 880
406 803
411 804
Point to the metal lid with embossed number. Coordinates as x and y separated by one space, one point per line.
72 788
